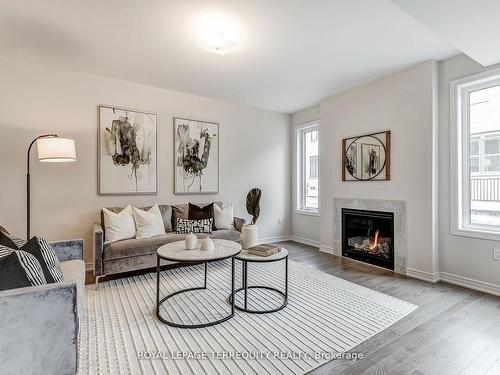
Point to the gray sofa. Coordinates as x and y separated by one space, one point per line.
39 325
133 254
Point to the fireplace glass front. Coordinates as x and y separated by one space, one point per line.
368 236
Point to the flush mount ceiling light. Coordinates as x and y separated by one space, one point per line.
217 42
217 33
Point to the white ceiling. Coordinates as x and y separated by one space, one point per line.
291 53
473 26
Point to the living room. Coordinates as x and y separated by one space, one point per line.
354 144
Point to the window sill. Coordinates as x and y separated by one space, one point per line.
483 234
307 213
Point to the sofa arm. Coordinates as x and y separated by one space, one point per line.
238 223
97 248
39 330
69 249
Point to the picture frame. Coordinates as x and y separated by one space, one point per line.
367 157
127 157
196 156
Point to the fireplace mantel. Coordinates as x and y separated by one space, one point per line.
400 232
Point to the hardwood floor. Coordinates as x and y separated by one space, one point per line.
453 331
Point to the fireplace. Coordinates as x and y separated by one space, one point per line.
368 236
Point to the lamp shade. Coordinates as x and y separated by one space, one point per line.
56 149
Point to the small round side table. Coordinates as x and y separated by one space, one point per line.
246 258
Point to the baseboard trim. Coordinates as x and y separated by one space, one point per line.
466 282
275 239
326 249
305 241
423 275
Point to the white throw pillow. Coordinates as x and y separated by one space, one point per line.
119 226
224 216
148 223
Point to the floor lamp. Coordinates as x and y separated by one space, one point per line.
51 149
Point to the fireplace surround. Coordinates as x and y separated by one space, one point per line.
368 236
397 207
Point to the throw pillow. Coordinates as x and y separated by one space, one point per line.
42 251
179 211
11 241
186 226
120 226
46 256
19 269
199 213
223 216
148 223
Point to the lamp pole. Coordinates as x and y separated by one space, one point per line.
28 208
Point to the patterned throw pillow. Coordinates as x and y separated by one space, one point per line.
185 226
19 269
42 251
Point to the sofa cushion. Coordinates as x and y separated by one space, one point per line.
19 269
74 272
187 226
165 210
118 226
202 212
135 247
179 211
226 234
148 223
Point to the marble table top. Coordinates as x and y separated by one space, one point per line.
177 252
244 255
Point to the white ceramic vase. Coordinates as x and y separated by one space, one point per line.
249 236
191 241
207 244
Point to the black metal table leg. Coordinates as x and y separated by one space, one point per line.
286 277
159 301
245 284
245 288
205 283
232 286
157 282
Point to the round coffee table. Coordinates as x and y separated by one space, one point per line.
177 252
246 258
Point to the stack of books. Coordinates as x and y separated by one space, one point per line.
264 250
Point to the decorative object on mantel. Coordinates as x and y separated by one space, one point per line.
191 241
367 157
207 244
127 152
196 156
51 149
250 232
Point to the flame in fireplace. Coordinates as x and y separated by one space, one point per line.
374 244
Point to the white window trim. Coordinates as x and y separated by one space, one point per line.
300 170
459 155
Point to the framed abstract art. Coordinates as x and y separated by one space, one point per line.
196 156
127 152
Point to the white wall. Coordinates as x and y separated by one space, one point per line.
402 103
304 227
459 256
254 150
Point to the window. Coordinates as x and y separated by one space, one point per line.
308 168
313 166
475 144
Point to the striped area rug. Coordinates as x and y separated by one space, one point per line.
120 333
